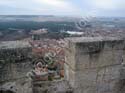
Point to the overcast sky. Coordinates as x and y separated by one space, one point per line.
63 7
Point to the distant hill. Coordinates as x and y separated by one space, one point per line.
38 18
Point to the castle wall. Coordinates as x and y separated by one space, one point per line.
93 65
15 63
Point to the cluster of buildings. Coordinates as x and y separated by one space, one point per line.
37 34
50 50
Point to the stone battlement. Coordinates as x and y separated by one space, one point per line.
93 64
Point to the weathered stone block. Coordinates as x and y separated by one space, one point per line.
69 74
123 56
95 54
94 64
87 89
70 55
105 58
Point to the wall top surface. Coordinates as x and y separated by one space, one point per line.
14 44
93 39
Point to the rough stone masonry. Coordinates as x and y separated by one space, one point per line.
95 64
15 62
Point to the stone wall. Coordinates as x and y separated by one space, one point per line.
13 77
15 63
57 86
93 65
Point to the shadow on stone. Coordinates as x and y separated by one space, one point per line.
6 91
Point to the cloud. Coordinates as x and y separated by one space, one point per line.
63 7
43 6
108 4
54 3
104 7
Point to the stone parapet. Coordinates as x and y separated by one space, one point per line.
93 63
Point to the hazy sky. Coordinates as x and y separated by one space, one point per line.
63 7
